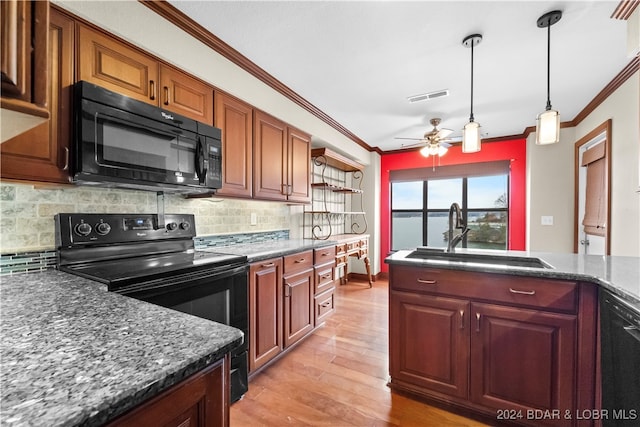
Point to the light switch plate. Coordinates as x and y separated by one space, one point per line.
254 218
546 220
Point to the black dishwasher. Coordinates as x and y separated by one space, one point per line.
620 352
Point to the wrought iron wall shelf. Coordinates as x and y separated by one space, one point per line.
327 214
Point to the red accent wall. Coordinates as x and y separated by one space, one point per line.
514 150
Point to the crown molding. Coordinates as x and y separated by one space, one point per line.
182 21
625 9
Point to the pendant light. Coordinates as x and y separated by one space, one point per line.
471 131
548 122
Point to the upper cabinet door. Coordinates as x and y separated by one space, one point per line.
185 95
235 119
115 66
42 153
299 170
270 158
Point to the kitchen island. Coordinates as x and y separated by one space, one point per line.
509 337
74 354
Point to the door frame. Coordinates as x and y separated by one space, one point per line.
606 129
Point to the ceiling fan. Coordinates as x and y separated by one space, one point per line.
434 141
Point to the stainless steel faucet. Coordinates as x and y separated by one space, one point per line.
459 224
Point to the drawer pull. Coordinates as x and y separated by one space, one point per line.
461 319
515 291
299 261
427 282
271 264
326 304
325 276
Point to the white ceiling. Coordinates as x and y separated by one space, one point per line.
358 61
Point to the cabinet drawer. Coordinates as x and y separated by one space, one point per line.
324 255
341 260
324 304
341 248
298 262
324 277
513 290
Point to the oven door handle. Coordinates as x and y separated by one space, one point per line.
633 331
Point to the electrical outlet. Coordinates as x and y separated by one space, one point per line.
254 218
546 220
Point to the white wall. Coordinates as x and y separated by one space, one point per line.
623 108
550 193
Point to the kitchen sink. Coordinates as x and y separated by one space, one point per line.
436 254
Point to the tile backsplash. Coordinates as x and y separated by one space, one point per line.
26 212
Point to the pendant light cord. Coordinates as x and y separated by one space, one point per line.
548 67
471 115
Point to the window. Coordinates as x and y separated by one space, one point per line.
420 207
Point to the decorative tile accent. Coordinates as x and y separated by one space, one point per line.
26 262
202 242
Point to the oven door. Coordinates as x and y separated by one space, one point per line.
219 294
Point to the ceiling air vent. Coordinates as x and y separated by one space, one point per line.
429 96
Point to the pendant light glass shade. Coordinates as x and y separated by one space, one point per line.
548 122
471 131
433 150
548 127
471 137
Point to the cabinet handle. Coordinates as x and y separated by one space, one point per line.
515 291
287 290
325 276
478 322
298 261
326 304
166 95
66 159
267 265
461 319
427 282
152 90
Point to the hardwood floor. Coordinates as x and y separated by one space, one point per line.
337 376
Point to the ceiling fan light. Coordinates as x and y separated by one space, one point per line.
425 151
471 137
548 127
442 150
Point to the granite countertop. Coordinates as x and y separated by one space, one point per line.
74 354
618 274
274 248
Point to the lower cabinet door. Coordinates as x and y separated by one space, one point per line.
298 306
523 361
429 342
265 312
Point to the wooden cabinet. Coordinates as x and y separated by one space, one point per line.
281 161
119 67
491 342
42 153
201 400
298 285
235 119
23 66
265 312
324 283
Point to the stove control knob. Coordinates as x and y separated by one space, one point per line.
185 225
103 228
83 229
172 226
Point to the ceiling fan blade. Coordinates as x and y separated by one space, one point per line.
417 144
443 133
445 144
412 139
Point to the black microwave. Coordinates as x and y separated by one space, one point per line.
122 142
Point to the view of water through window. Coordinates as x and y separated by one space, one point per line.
484 206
